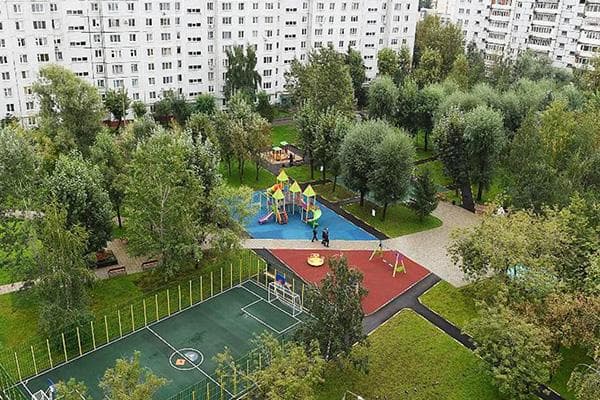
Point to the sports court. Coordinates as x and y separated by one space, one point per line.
181 347
378 271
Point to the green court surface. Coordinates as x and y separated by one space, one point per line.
181 348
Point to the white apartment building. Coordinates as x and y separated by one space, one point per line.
150 46
567 31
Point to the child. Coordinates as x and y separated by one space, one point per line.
314 232
325 237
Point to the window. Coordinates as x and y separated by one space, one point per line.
10 107
39 24
6 76
43 57
37 8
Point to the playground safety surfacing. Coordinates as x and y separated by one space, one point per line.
339 227
181 348
378 279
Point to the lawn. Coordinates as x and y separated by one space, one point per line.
265 178
419 141
284 133
437 172
458 307
19 311
326 191
301 173
411 359
400 220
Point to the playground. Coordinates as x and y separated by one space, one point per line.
285 211
181 347
378 269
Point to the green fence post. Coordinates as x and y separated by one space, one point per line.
208 390
230 275
34 363
79 340
240 273
156 305
179 294
132 318
49 353
201 290
18 367
106 329
211 284
191 301
64 346
222 389
221 280
168 303
120 325
145 315
93 334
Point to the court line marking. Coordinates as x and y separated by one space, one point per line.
44 372
193 363
263 299
196 366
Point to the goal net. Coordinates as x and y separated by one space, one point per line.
280 292
41 395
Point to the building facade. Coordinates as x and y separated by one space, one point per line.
151 46
567 31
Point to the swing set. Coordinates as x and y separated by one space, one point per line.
397 265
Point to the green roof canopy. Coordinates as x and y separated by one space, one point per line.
282 177
295 188
283 144
277 148
278 195
309 192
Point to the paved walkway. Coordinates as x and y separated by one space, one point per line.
429 248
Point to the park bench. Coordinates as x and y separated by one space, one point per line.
116 271
146 265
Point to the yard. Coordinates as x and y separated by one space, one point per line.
400 220
411 359
265 178
326 191
457 306
284 133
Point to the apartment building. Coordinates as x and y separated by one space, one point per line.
567 31
150 46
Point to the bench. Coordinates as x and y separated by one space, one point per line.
116 271
149 264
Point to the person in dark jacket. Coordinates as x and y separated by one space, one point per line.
325 237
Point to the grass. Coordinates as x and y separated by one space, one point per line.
411 359
284 133
19 310
400 220
326 191
419 141
301 173
6 276
437 172
458 307
265 178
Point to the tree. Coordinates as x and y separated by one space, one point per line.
307 120
519 354
291 371
383 98
71 109
430 68
77 186
460 72
337 311
450 142
332 127
389 180
128 380
264 107
139 109
445 38
484 134
164 196
60 272
585 379
325 81
424 199
117 103
387 62
476 63
356 154
241 75
201 127
404 65
206 104
357 69
72 390
108 156
171 106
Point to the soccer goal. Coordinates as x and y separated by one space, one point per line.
41 395
277 291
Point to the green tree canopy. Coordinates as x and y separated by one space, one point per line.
429 69
444 38
78 186
139 109
424 199
71 109
117 103
357 69
264 107
241 75
205 103
387 62
585 380
337 311
383 98
332 128
324 80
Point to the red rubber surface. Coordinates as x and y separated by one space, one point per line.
378 279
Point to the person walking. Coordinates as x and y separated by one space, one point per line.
291 158
325 237
315 233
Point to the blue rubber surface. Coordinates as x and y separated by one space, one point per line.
339 227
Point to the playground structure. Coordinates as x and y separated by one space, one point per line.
315 260
284 198
280 154
397 265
